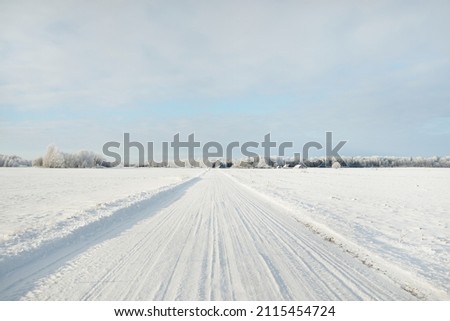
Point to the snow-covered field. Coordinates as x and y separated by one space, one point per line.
191 234
395 220
39 204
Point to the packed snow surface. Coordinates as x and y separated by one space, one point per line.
191 234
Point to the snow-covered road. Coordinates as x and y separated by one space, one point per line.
208 238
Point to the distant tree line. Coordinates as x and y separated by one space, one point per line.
13 161
346 161
366 161
54 158
394 161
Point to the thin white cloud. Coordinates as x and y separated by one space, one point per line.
112 53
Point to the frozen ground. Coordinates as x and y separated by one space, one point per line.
182 234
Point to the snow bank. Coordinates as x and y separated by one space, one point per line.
40 204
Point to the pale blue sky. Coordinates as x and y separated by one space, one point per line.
80 73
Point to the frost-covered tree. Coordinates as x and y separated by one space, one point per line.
336 165
53 158
13 161
38 162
